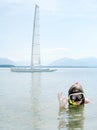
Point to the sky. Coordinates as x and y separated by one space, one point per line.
68 28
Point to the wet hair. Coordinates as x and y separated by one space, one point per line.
76 88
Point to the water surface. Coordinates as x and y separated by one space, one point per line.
28 101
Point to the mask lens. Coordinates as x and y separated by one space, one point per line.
73 97
80 96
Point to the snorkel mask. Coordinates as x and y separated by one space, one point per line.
76 97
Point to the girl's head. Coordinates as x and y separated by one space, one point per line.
76 94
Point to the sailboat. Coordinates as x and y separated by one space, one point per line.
35 53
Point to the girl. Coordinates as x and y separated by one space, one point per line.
76 97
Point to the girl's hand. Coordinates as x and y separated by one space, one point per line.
62 100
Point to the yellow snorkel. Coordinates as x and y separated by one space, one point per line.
71 102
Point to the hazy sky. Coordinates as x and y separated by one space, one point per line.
68 28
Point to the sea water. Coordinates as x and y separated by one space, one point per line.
28 101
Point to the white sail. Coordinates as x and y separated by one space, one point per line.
35 56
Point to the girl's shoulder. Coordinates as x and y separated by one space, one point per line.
87 101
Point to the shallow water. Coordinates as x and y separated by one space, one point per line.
28 101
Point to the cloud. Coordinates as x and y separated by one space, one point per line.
83 5
5 2
48 5
79 9
89 5
16 7
14 1
75 8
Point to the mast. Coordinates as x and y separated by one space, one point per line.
35 54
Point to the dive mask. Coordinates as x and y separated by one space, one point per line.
75 97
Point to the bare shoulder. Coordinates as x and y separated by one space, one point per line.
87 101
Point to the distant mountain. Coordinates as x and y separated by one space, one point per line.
5 61
64 62
86 62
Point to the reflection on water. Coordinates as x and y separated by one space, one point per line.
72 118
35 96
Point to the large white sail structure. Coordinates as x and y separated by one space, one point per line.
35 53
35 56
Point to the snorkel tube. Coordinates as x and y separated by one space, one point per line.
71 102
